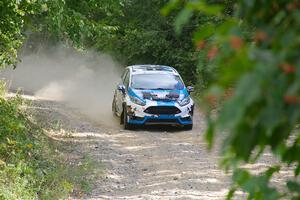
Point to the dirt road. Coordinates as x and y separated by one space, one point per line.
149 163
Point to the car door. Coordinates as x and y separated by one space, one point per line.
119 94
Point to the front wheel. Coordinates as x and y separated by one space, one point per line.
125 120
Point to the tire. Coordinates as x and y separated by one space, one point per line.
188 127
126 125
122 117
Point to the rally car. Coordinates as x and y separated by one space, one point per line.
153 94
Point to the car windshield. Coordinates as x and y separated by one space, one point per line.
156 81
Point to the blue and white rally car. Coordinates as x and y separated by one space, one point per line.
153 94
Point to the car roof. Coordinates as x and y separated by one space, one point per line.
151 69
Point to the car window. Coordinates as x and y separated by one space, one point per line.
124 76
126 80
157 81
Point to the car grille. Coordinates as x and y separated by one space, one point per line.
162 121
162 110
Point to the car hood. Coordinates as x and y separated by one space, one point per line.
159 95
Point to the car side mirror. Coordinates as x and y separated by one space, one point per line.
190 89
121 88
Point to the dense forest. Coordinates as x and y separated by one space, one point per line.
132 31
242 57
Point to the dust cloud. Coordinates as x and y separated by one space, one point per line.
85 81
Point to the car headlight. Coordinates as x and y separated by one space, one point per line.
137 101
184 101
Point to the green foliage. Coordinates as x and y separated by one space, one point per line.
134 32
139 34
13 16
54 20
25 173
2 88
246 53
30 168
249 54
257 186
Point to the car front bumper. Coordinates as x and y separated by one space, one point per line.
160 119
137 115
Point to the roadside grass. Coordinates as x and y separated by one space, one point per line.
92 170
34 166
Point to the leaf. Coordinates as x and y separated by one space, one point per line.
171 5
204 32
297 170
293 186
182 18
209 135
11 142
2 162
231 193
203 7
227 26
241 176
271 171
